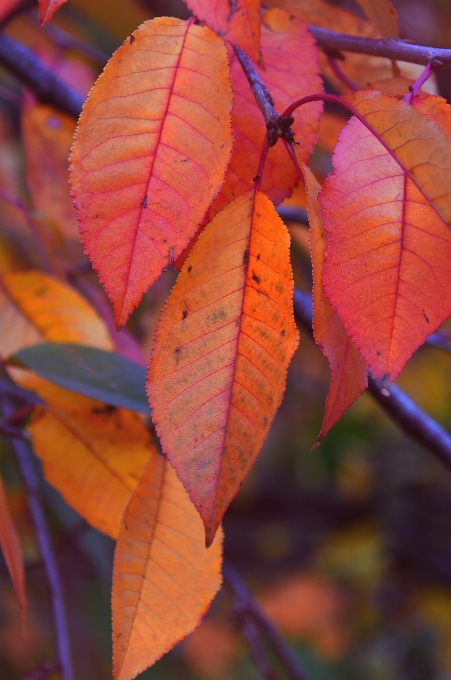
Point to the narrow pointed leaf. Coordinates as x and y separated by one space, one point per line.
349 373
387 211
150 153
101 375
291 71
12 552
47 9
238 22
221 351
164 578
94 457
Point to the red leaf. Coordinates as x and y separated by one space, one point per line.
238 22
150 153
47 9
12 552
386 213
292 71
349 373
221 351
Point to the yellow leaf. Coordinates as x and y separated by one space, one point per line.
164 578
94 457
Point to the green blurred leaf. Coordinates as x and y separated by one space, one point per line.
105 376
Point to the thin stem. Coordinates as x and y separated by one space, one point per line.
248 607
24 457
427 73
341 75
258 87
385 47
261 164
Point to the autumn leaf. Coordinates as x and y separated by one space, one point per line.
238 22
12 552
349 373
150 153
93 455
47 9
47 138
35 307
383 14
164 578
221 352
292 70
386 213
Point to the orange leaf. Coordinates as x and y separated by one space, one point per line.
44 308
383 14
94 456
349 374
387 270
47 9
12 552
292 71
47 138
150 153
221 351
164 578
238 22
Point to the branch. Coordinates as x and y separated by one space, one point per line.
247 607
29 69
401 408
384 47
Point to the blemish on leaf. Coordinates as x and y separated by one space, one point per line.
189 269
246 258
258 256
255 277
282 333
132 39
425 316
184 314
144 203
378 354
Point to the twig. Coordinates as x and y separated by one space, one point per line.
29 69
385 47
401 408
415 88
292 214
341 75
24 457
247 606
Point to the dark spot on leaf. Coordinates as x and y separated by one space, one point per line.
184 314
378 354
258 256
96 215
424 314
144 203
164 240
246 257
189 269
282 333
132 39
255 277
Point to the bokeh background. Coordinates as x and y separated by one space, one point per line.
347 547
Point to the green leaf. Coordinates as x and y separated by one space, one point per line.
105 376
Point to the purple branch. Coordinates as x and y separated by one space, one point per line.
247 606
24 457
341 75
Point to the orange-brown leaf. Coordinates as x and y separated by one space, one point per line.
292 71
164 578
239 22
221 352
47 137
150 153
387 216
12 552
47 9
349 374
93 455
383 14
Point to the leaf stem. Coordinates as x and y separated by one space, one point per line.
247 606
423 77
341 75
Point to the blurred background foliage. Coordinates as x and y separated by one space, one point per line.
348 547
